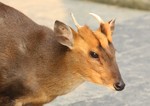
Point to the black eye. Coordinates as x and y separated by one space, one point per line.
93 54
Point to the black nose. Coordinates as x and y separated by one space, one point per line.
119 86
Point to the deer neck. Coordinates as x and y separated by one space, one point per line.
59 75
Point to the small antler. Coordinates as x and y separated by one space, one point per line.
75 22
97 17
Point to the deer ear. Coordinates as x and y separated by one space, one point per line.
112 24
63 34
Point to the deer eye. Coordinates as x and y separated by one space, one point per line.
94 55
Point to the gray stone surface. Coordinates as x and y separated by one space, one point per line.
131 39
136 4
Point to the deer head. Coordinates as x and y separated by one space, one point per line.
91 53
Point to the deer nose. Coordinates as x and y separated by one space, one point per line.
119 86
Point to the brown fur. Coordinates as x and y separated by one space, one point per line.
38 64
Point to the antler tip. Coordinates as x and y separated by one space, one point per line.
97 17
74 20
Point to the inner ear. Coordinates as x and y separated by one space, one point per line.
102 28
63 34
105 29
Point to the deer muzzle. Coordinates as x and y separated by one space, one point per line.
119 86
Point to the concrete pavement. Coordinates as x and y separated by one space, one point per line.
131 39
136 4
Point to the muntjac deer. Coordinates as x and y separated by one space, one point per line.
38 64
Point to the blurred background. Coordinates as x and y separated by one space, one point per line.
131 39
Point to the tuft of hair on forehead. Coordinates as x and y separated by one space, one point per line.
104 42
87 35
102 39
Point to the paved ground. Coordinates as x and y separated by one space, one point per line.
131 38
136 4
